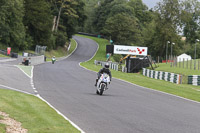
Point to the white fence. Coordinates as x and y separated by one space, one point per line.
113 65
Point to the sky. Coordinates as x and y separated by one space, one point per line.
150 3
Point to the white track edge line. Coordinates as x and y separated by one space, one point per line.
73 124
10 88
38 96
65 56
66 118
71 52
23 71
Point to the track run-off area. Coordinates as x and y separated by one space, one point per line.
124 108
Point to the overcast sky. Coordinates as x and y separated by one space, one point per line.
150 3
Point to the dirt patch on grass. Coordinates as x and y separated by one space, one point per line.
12 126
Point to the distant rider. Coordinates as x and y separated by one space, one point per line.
53 59
105 69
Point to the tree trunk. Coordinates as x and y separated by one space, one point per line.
54 23
57 23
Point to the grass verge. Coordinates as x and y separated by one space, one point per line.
183 90
34 114
60 52
26 69
2 128
179 70
1 55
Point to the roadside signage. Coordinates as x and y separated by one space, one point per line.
132 50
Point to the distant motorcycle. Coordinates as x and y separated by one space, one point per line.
102 83
53 60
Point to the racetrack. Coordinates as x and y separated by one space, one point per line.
124 108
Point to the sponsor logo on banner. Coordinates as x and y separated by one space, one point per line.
132 50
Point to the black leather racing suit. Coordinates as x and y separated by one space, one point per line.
104 70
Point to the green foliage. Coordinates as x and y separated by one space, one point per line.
140 11
163 28
12 31
190 19
27 23
61 51
70 14
122 32
117 19
61 39
117 57
153 28
38 22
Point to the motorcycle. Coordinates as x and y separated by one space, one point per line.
102 83
53 60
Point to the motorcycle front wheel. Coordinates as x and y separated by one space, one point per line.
102 89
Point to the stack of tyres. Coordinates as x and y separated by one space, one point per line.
194 80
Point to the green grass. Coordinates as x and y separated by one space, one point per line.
60 52
1 55
26 69
2 128
183 90
34 114
179 70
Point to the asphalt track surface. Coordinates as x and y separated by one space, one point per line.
11 77
124 108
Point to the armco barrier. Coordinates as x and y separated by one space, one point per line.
113 65
12 54
194 80
171 77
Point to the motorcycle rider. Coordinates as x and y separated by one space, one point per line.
105 69
53 59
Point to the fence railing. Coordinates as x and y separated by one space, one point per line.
170 77
113 65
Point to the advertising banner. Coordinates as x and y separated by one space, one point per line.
132 50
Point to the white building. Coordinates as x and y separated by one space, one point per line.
184 56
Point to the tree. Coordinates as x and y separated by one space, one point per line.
12 31
167 23
190 20
89 9
69 15
122 32
38 22
140 10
